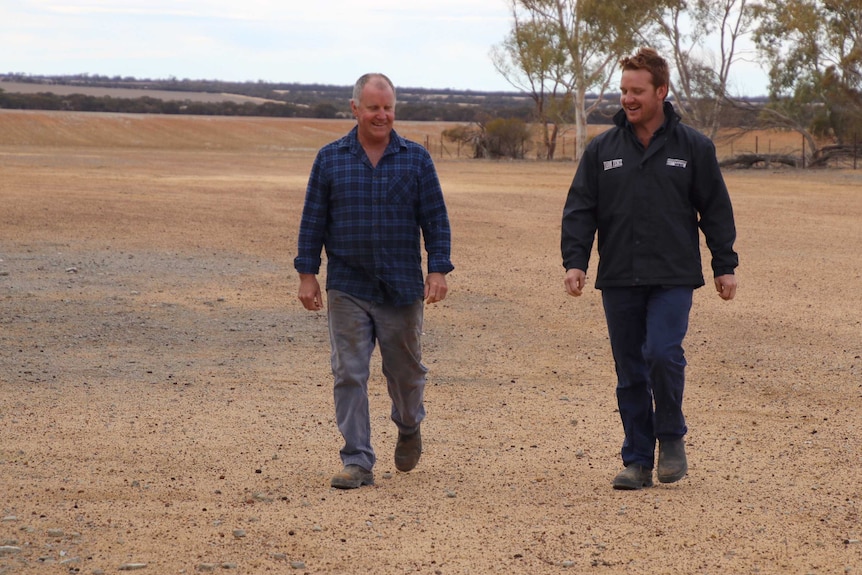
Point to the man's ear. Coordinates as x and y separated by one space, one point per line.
661 91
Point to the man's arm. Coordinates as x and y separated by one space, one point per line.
579 225
312 229
434 221
712 202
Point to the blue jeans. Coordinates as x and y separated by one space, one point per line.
354 327
646 326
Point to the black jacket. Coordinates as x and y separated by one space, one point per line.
647 206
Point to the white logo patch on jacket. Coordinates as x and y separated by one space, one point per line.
612 164
675 163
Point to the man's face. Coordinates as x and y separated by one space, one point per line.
641 100
375 112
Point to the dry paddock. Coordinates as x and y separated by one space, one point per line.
165 402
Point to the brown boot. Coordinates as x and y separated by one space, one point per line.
351 477
408 449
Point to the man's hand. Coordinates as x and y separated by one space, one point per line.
726 286
309 292
435 287
575 281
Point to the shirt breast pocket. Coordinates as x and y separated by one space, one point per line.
403 190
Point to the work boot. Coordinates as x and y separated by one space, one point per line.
633 476
351 477
408 449
672 464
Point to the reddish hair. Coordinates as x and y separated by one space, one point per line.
648 59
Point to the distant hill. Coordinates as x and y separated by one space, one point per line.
61 89
87 93
101 93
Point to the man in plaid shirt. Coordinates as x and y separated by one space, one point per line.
370 195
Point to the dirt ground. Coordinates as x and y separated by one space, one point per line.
166 405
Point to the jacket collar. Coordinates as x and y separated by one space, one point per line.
671 118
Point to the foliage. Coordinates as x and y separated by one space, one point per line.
558 50
472 135
507 138
815 51
700 83
564 49
493 138
530 59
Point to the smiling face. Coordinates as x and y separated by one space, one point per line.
642 101
374 112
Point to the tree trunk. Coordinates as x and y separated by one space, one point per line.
580 124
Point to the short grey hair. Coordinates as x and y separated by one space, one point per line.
364 79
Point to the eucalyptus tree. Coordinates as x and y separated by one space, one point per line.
530 59
688 28
590 36
815 78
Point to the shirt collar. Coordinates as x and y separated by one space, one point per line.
351 142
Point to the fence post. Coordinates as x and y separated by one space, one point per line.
803 152
855 149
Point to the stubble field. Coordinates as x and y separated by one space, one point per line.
165 401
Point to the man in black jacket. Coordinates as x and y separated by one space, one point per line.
647 185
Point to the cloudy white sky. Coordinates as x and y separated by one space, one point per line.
418 43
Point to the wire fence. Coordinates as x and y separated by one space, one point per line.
751 149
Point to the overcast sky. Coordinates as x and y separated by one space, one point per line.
418 43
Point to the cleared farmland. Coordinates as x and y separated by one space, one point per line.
164 399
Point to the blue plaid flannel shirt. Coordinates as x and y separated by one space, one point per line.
369 220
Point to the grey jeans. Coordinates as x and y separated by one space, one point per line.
355 326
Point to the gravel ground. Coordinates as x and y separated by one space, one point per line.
165 402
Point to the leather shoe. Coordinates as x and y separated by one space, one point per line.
672 464
633 477
408 449
351 477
